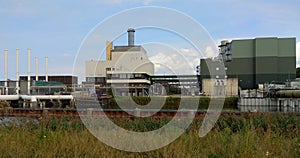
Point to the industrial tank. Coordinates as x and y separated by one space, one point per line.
288 94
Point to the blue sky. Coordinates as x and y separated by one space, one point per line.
57 28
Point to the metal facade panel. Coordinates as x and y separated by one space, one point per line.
266 47
266 65
287 65
240 66
287 47
242 48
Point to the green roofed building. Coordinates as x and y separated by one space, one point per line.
258 61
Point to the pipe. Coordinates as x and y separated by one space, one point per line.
46 69
34 97
29 97
17 71
5 71
28 72
36 69
9 97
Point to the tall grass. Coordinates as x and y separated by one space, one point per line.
247 135
171 102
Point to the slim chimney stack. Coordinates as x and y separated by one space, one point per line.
28 72
36 69
5 72
130 36
17 71
46 75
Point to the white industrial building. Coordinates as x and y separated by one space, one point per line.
126 69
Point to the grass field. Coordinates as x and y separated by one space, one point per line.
246 135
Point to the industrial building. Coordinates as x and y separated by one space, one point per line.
40 86
127 69
255 61
33 84
36 91
67 80
54 83
174 84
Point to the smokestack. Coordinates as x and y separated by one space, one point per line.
28 72
46 69
36 69
17 71
130 36
108 50
5 71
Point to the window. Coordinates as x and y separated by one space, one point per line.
90 79
123 76
138 75
115 76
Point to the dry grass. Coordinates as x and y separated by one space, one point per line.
248 135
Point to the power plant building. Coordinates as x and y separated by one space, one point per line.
257 61
127 69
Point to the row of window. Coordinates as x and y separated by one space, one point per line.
127 76
96 79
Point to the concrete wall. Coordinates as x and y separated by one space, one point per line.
212 86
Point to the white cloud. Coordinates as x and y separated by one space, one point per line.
182 62
298 54
209 52
188 52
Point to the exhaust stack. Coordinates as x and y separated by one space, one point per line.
46 75
28 72
36 69
5 71
17 71
130 36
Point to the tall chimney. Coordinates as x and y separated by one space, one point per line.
17 71
108 50
130 36
36 69
46 69
5 71
28 72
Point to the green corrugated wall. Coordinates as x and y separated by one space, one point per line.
260 60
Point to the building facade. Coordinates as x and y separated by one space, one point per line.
258 61
126 69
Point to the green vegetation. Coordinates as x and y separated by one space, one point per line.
70 89
246 135
172 102
4 104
